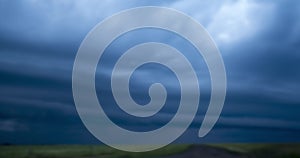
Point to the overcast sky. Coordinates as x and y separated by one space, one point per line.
259 42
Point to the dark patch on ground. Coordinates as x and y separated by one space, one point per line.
204 151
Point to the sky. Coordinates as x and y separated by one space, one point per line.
258 40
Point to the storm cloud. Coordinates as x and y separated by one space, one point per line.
259 42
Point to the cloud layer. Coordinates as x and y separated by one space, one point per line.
259 42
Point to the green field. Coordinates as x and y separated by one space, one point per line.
97 151
264 150
80 151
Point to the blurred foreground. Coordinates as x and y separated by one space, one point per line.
171 151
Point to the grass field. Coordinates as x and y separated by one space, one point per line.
95 151
80 151
264 150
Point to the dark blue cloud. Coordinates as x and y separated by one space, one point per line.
259 42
